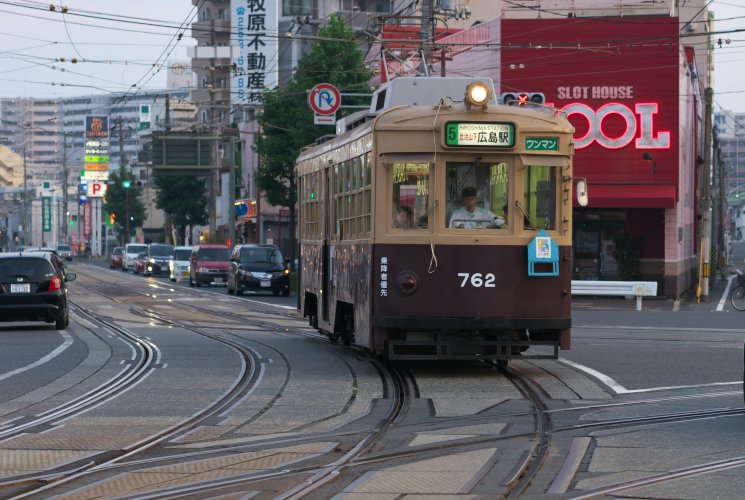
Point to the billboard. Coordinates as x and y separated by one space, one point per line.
180 76
96 153
622 98
255 49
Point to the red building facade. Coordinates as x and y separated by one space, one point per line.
628 88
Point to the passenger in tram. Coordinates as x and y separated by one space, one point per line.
471 216
403 218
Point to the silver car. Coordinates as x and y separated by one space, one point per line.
65 252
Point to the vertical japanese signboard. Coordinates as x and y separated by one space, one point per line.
255 53
46 213
87 220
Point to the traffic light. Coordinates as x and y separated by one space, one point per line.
112 219
126 184
522 98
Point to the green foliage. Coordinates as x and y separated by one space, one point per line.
287 121
183 198
627 252
118 198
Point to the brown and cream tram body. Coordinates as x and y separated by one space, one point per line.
416 229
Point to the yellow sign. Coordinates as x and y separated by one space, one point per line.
97 167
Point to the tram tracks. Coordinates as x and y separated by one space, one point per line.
319 475
359 454
35 484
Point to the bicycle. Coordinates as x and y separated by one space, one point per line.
737 296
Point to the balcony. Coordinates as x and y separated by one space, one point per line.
202 29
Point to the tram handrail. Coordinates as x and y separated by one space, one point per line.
636 289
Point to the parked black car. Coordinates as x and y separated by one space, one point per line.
258 268
33 287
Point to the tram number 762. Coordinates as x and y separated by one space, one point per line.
477 280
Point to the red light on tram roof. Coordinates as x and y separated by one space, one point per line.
523 99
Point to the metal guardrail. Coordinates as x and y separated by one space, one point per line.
636 289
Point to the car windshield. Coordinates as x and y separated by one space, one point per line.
161 250
118 251
136 248
213 254
182 254
63 248
28 268
266 255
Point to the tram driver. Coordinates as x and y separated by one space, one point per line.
471 216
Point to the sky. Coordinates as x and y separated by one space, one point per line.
133 53
118 55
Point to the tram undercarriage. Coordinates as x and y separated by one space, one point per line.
470 344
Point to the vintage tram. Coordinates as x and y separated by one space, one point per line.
440 231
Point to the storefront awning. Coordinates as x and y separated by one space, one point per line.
630 196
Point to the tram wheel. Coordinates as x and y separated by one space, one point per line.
502 364
737 297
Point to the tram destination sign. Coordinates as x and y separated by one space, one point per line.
488 134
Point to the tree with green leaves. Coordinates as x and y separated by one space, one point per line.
184 200
287 121
121 200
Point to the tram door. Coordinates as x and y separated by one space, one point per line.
329 221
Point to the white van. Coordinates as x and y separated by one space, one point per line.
130 252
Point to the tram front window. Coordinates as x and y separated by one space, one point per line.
410 196
539 196
477 195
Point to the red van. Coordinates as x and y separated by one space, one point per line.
209 264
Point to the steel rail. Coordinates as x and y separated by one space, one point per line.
147 356
228 398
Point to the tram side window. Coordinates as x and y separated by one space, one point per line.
410 195
539 196
477 195
352 198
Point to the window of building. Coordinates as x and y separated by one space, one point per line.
204 15
297 7
477 195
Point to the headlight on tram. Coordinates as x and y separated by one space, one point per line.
478 94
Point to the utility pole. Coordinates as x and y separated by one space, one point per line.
24 229
426 36
703 289
723 250
65 175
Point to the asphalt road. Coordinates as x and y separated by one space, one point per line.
203 386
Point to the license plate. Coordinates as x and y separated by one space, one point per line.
217 280
266 284
20 288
